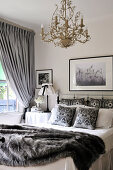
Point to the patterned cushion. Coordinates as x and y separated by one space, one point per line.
95 102
107 103
80 101
64 116
86 118
65 101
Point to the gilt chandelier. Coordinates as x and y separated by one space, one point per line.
66 27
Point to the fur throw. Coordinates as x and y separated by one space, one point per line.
30 146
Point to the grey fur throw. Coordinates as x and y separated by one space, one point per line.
30 146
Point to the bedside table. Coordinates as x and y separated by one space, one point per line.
35 118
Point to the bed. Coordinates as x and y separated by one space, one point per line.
104 162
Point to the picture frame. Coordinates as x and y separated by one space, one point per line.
91 74
43 76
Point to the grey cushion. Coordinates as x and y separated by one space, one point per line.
86 118
95 102
65 101
107 103
64 116
79 101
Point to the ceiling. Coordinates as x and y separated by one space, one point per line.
33 13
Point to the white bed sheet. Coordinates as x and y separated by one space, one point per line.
67 163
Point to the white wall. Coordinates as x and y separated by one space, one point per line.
50 57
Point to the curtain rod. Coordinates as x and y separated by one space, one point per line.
16 25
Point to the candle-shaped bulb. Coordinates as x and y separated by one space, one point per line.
42 29
42 26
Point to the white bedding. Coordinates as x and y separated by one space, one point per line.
67 163
10 118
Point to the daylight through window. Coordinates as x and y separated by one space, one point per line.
8 101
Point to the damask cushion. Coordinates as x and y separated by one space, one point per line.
107 103
64 116
105 118
70 106
86 118
95 102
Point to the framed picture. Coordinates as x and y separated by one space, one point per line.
93 73
43 76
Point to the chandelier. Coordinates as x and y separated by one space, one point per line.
66 28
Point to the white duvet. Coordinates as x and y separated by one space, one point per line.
67 163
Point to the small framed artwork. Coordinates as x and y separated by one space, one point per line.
93 73
43 76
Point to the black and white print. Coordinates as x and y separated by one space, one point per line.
91 74
43 78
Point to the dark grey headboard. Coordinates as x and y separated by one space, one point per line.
101 101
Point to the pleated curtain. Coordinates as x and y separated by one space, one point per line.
17 58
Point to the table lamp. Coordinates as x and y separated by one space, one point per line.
46 90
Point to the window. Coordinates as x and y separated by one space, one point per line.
8 101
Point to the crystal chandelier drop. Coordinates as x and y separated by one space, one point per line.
66 28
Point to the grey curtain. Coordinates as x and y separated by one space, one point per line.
17 58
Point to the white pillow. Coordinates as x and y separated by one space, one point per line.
105 118
10 118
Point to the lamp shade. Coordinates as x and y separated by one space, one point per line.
47 89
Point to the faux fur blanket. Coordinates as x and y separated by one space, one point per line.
30 146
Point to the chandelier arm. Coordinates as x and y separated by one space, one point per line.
55 10
55 32
44 37
62 11
77 16
82 41
85 34
71 12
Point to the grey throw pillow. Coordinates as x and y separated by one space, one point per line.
68 102
64 116
86 118
65 101
95 102
108 103
80 101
